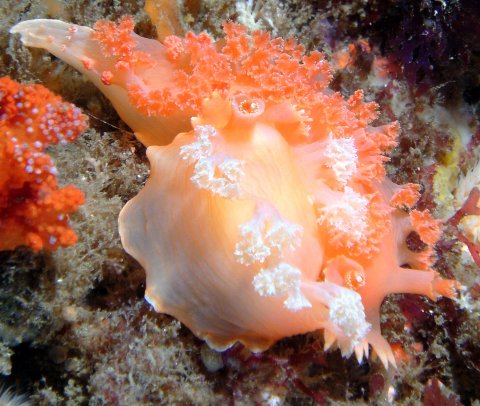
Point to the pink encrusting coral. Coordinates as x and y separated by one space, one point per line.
267 212
33 209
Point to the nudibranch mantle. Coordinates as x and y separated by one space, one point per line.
267 212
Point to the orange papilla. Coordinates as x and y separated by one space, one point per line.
280 72
372 145
208 71
174 47
157 102
407 196
372 159
423 260
365 112
446 287
427 227
378 222
87 62
106 77
330 116
386 136
271 69
116 40
33 210
345 58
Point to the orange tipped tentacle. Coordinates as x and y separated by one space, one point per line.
427 227
445 287
407 196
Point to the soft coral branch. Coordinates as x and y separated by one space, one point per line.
33 210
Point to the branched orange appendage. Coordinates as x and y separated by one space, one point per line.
174 47
407 196
445 287
424 260
379 221
115 39
270 69
33 210
365 112
361 234
106 77
386 136
427 227
118 42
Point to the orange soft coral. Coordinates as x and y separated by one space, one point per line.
267 212
33 210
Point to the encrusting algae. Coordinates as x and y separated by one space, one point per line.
267 212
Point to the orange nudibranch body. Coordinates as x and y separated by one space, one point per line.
267 212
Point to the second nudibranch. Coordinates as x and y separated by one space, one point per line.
267 212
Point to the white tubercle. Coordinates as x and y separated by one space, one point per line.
202 147
264 239
347 312
347 215
219 174
341 156
279 280
266 234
